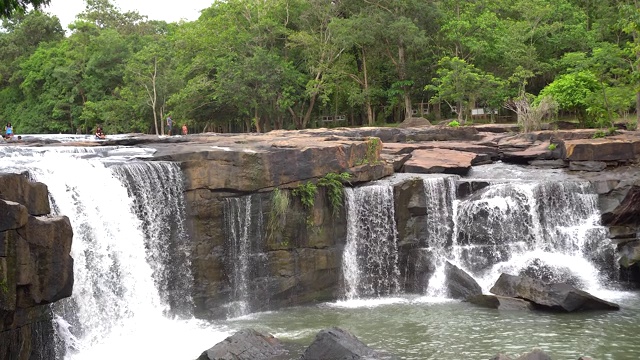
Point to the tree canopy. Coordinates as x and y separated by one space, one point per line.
254 65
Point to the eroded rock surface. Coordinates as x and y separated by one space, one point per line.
36 268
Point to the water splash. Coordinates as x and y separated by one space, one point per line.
370 258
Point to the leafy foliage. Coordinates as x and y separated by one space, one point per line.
253 65
334 183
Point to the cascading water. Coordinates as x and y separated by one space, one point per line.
244 230
157 192
370 258
548 230
128 227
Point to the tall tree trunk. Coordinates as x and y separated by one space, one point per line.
367 102
402 74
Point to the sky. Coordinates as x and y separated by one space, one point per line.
168 10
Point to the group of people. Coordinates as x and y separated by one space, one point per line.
185 131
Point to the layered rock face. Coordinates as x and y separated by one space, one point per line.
297 260
248 245
36 268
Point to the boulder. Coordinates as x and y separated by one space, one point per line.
552 296
501 357
337 344
500 302
246 344
434 161
460 285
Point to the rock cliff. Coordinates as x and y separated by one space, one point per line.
36 268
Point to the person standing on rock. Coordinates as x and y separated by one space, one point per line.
169 125
185 131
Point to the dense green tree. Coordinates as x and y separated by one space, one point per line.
8 8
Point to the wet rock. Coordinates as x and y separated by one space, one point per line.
553 296
338 344
460 285
629 253
500 357
593 166
14 215
501 302
548 164
246 344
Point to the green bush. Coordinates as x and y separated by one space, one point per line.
453 123
552 146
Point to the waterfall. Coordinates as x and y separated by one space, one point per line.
440 201
548 230
157 191
131 258
244 231
370 258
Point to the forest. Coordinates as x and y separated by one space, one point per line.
259 65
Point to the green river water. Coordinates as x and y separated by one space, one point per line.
428 328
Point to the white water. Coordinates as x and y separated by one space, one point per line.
551 229
238 223
370 258
118 308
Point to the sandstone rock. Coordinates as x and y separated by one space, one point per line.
335 344
603 149
246 344
460 285
537 152
12 215
49 243
501 302
498 128
622 205
548 164
33 195
440 161
558 296
587 165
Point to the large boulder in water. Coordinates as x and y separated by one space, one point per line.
536 268
338 344
460 285
552 296
246 344
500 302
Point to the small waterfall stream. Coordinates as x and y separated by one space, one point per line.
370 258
244 232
